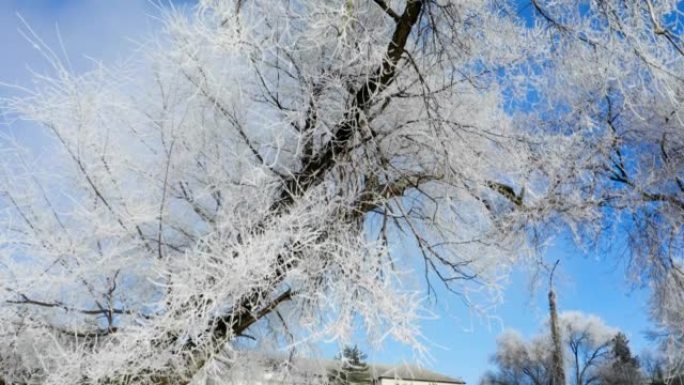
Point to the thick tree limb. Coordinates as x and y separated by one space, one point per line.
314 169
388 10
507 192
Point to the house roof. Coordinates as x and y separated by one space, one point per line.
310 371
377 371
413 373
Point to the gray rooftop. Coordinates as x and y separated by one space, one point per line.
376 371
411 372
310 371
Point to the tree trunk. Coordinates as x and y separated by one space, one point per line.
557 364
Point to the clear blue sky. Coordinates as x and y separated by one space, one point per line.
594 285
461 343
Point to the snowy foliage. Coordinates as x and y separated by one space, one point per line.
589 328
520 362
587 341
271 172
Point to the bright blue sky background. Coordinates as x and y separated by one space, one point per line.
461 342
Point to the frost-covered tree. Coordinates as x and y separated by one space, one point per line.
588 340
268 173
520 362
654 368
587 343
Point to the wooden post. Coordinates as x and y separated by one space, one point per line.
557 364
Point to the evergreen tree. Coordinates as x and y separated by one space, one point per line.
621 350
353 368
623 368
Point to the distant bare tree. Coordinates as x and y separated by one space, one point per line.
586 343
519 362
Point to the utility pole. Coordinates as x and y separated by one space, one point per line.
557 368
